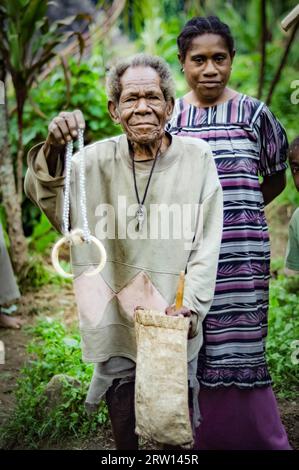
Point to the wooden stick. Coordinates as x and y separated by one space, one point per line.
291 18
180 291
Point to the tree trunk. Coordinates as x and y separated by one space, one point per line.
10 199
21 91
20 156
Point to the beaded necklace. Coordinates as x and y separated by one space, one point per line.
76 236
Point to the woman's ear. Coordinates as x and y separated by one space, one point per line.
113 111
233 55
181 62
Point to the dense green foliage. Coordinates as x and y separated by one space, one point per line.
283 335
86 92
54 350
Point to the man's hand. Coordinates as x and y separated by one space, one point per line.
183 311
64 128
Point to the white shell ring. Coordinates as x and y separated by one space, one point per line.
76 237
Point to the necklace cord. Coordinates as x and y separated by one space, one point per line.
150 176
82 187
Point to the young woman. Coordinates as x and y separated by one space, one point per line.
237 403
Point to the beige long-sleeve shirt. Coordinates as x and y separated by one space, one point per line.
184 205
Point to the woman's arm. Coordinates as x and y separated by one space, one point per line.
273 185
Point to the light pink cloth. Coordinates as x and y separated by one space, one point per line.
93 295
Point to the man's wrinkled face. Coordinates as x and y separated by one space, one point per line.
294 164
142 110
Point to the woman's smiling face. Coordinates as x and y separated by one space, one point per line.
207 67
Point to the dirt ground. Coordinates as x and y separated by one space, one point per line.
41 303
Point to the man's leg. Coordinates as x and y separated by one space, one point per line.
120 402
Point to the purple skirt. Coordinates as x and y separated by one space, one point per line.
237 419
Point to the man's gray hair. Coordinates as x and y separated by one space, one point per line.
113 85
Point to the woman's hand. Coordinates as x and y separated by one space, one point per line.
272 186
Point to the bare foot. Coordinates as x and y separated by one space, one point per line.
6 321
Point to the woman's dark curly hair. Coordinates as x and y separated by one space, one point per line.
201 25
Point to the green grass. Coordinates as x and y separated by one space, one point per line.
54 350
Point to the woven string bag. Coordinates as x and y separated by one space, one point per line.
161 387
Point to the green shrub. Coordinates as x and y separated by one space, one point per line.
54 350
43 236
290 195
38 273
86 92
283 332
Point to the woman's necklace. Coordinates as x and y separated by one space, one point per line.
140 213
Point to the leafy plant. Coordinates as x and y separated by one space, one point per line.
42 236
87 92
54 350
283 332
37 274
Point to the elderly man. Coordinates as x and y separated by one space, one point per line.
156 203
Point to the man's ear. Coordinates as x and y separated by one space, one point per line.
169 108
113 111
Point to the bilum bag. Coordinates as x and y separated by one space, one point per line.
161 388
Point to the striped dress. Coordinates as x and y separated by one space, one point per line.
247 141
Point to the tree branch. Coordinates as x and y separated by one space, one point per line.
282 63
